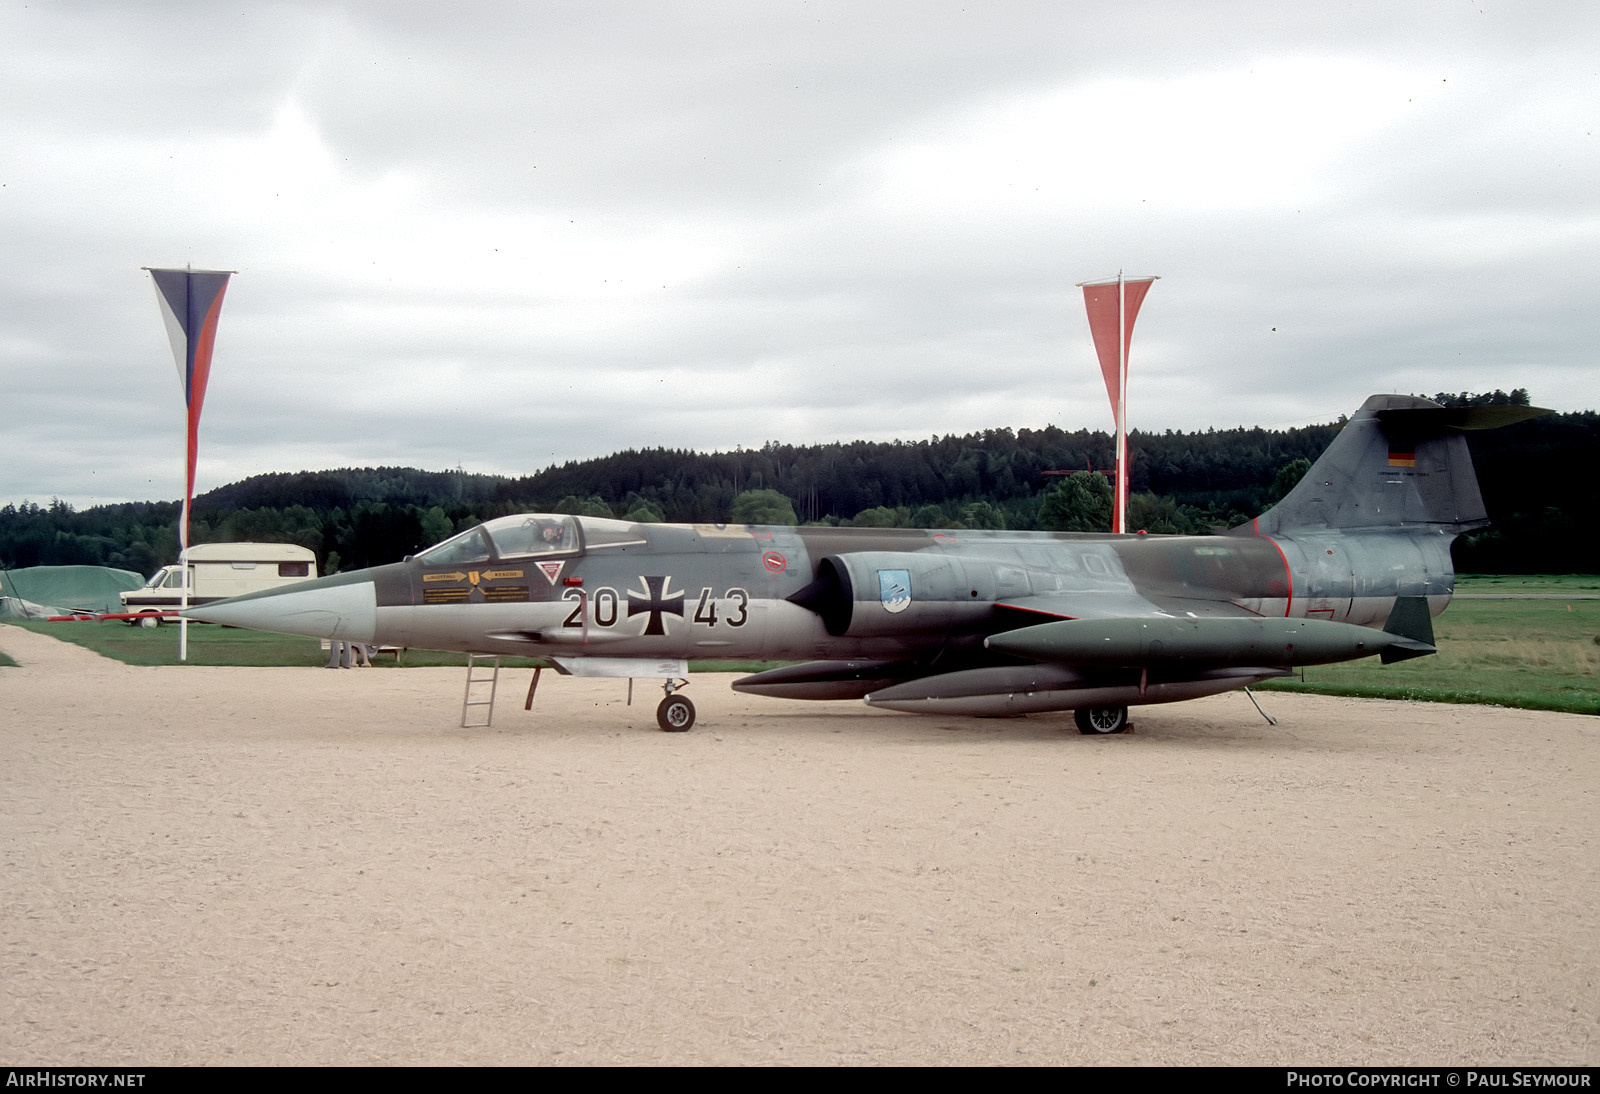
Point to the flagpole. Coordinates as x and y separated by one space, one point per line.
188 462
190 315
1121 504
1113 305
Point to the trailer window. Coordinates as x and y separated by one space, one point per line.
294 569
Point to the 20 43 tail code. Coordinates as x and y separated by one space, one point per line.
655 599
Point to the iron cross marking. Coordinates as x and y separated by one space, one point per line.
657 600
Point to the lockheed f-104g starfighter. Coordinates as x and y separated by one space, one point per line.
1353 562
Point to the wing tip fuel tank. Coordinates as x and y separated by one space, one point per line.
1205 641
1039 689
825 679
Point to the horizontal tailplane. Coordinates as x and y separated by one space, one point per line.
1411 627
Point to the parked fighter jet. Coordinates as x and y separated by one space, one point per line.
1354 562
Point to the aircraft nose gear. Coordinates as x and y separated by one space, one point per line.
676 713
1097 720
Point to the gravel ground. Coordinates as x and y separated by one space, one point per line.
302 866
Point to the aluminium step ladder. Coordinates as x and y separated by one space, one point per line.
483 676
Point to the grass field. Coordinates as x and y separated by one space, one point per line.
1528 583
1539 654
210 645
1534 654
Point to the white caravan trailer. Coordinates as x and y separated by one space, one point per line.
219 570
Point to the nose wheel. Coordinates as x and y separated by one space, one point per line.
676 713
1101 720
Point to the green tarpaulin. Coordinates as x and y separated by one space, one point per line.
58 590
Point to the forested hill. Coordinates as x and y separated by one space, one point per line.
1537 480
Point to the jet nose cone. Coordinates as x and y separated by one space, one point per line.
344 606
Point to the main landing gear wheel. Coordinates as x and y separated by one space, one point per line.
675 714
1099 720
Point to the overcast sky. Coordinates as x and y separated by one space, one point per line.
502 235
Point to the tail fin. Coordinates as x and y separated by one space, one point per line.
1400 461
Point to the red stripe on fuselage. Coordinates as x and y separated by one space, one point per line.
1032 611
1288 574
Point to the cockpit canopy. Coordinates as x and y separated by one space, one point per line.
532 535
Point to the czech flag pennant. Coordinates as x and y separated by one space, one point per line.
190 302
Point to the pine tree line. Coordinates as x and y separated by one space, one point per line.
1048 478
